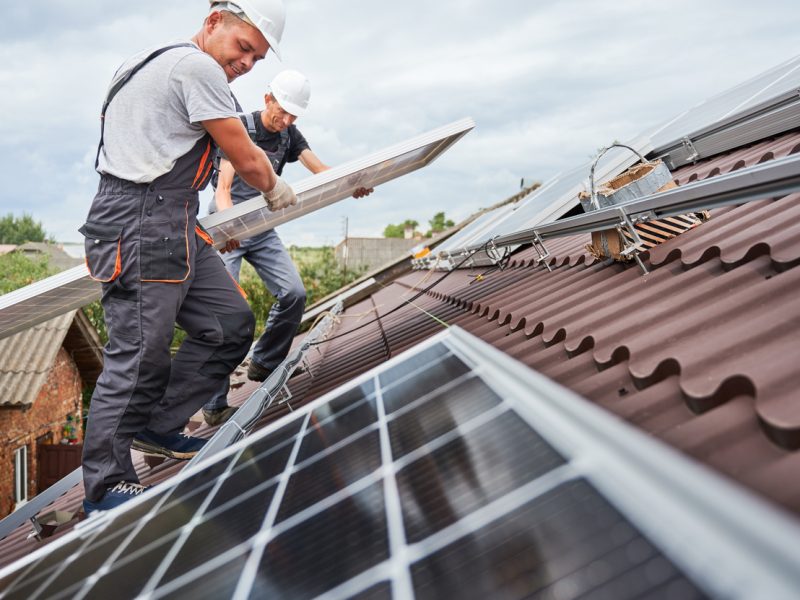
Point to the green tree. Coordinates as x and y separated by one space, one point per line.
18 270
94 312
14 230
325 276
438 224
398 231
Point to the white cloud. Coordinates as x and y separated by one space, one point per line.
547 83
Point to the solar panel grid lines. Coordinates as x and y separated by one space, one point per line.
251 566
402 586
456 499
185 532
654 480
46 299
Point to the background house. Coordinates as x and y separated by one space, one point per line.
369 253
43 372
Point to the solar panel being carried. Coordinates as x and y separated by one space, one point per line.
74 288
449 471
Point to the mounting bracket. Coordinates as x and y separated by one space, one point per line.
543 253
631 249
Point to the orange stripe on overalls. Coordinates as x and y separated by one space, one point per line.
202 165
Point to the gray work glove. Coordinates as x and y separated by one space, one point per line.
281 196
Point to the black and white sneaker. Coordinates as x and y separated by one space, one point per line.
180 446
114 496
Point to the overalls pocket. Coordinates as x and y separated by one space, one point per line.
165 258
103 250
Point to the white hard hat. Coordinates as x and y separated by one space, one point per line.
268 16
292 90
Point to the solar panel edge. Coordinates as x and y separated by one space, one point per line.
647 481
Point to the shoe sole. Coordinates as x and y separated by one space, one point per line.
256 372
219 419
154 450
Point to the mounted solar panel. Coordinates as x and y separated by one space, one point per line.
448 250
549 202
449 471
763 106
74 288
774 178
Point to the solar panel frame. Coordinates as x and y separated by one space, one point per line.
645 481
323 189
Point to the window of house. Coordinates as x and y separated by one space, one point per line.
21 475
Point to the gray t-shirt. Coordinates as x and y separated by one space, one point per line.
155 118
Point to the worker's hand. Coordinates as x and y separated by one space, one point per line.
362 191
229 246
281 196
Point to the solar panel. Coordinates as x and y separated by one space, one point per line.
446 472
74 288
551 201
46 299
252 217
772 84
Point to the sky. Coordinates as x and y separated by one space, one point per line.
547 83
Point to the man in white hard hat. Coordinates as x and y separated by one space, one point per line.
273 130
165 112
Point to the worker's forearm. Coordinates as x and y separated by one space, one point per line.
222 198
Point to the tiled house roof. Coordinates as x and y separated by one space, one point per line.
701 352
26 357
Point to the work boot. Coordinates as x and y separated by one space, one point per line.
114 496
256 372
217 416
178 445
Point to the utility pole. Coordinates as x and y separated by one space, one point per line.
345 249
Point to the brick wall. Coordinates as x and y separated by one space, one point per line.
60 396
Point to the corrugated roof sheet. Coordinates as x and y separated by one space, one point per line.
26 358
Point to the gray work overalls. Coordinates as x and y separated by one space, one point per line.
157 268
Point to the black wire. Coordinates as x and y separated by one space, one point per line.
396 308
501 263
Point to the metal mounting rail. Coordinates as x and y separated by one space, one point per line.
275 386
39 502
775 178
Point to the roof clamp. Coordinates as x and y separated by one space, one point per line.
285 395
631 248
496 255
543 253
690 148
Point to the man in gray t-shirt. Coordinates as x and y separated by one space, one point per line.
165 112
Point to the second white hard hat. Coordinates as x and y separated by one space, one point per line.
292 90
268 16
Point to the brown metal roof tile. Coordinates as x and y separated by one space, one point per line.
701 352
